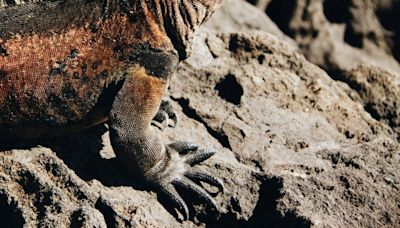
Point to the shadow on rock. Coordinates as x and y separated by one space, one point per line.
265 213
81 153
11 216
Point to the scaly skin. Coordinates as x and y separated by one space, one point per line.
70 64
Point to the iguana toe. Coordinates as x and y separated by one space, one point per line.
166 114
204 177
199 156
192 187
177 172
183 147
173 196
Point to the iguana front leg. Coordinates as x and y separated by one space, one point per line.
142 153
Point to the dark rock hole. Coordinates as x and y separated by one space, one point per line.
388 16
337 11
10 216
281 12
353 38
76 219
230 90
261 59
389 19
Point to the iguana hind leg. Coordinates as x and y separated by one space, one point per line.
140 151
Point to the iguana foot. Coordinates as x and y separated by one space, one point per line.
177 171
165 114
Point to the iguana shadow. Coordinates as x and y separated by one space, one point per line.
81 152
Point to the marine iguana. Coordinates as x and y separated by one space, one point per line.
67 65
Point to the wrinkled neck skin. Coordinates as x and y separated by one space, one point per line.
181 18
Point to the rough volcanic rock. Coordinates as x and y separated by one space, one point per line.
289 119
346 36
294 150
238 16
379 91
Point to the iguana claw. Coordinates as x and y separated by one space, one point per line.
178 172
165 114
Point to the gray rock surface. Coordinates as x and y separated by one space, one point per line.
343 37
295 148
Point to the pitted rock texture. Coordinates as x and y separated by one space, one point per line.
344 37
295 149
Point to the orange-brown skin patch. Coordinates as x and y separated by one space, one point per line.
146 92
50 80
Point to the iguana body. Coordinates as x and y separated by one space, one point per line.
71 64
